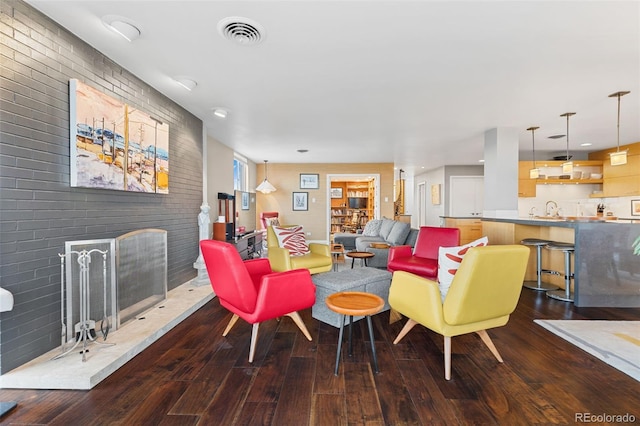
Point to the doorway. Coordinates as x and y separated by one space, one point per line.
354 198
422 204
466 197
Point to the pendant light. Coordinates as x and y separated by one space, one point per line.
535 172
265 187
618 158
567 166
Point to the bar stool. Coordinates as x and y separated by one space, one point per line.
538 284
567 249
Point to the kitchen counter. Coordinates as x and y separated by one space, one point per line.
606 270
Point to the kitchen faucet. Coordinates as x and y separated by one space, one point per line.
532 211
546 208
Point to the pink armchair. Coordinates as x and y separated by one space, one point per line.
267 219
253 292
424 259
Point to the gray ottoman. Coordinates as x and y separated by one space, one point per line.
370 280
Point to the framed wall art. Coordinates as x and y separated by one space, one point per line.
309 181
244 201
635 207
114 145
435 194
300 201
336 192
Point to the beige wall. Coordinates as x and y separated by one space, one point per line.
286 179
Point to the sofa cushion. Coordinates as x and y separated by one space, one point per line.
293 239
347 239
386 227
412 237
372 228
449 260
363 243
398 233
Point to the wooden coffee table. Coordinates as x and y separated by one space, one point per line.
355 303
363 255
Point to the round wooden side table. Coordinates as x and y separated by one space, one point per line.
363 255
355 303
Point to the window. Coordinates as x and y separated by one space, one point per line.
240 173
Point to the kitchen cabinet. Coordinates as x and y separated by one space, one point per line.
551 174
470 229
623 180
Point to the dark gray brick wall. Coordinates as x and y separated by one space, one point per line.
39 211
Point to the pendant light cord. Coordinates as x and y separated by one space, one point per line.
619 95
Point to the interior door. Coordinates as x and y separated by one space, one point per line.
466 196
422 203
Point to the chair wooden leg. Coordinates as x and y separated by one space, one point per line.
232 322
296 318
408 326
447 357
254 340
394 316
489 343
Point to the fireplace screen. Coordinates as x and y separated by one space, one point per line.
111 281
141 262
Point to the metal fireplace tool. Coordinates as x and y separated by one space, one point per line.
85 328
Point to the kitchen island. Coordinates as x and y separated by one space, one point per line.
606 270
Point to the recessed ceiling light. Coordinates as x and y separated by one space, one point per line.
557 136
585 144
302 151
122 26
481 161
220 112
186 82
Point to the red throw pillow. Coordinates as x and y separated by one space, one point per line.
449 260
292 238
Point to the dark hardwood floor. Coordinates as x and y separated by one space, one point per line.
194 376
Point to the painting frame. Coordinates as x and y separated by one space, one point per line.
244 201
114 145
635 207
435 194
336 192
309 181
300 201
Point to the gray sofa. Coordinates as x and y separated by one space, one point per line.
388 231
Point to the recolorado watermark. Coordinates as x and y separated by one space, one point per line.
604 418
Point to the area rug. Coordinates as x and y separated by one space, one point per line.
615 342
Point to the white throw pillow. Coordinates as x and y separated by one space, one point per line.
449 260
293 239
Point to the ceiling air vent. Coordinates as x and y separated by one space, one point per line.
241 30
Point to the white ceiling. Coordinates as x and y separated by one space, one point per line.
416 83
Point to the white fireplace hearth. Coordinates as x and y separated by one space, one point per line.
70 372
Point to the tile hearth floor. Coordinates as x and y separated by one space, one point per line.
69 372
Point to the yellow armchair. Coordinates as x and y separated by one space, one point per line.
484 292
317 260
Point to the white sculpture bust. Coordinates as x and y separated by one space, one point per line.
203 222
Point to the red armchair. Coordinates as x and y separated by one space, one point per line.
424 259
253 292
